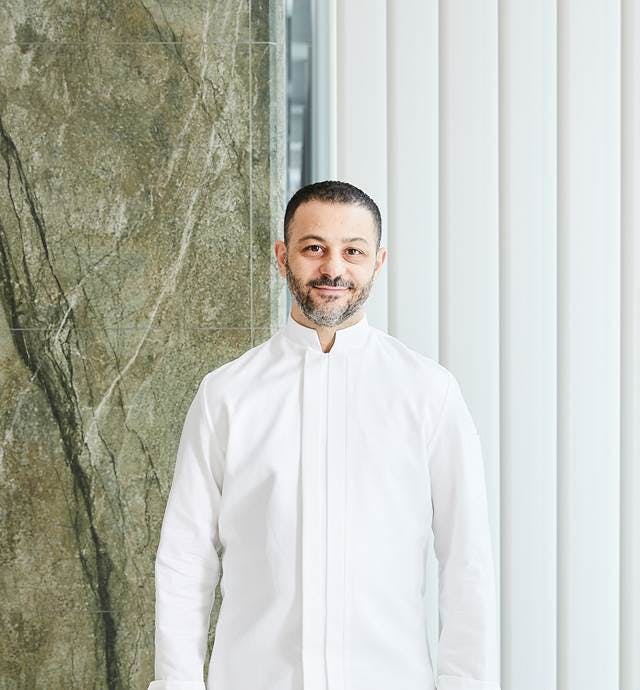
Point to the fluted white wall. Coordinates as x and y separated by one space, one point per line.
500 138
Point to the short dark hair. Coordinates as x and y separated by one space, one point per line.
336 192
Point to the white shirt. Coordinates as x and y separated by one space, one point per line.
313 482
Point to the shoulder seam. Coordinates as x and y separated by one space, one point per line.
212 428
441 414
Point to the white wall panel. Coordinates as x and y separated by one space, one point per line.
588 343
528 342
324 83
630 378
412 142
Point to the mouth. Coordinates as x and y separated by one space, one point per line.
330 290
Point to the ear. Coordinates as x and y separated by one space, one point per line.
280 251
381 256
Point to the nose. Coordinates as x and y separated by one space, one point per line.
332 267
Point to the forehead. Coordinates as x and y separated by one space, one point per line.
331 219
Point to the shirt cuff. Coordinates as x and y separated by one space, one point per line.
461 683
176 685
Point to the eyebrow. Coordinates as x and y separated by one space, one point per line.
346 240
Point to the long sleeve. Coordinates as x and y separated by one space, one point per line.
468 636
187 566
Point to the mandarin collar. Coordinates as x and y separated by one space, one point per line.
346 338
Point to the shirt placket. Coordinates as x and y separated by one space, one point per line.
336 459
313 533
324 535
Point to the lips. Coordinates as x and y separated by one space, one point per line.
325 288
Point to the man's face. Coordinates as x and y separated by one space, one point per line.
331 261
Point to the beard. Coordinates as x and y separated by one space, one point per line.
322 310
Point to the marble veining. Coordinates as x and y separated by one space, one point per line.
142 165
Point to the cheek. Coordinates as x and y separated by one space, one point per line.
301 271
363 274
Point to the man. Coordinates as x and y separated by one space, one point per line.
320 464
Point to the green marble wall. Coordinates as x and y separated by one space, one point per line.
142 152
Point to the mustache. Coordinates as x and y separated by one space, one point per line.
330 284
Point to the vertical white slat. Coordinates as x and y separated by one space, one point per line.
412 142
528 342
469 252
630 351
324 81
588 343
361 116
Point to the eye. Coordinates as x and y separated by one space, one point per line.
311 246
355 250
